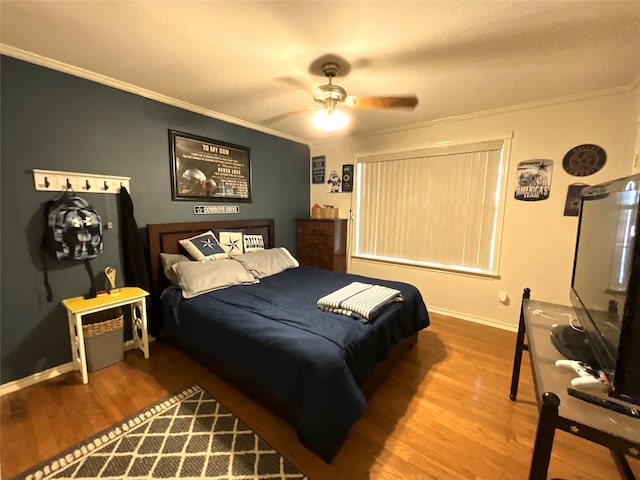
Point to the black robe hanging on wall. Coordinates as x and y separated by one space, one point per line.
134 258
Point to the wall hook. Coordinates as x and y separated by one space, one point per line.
47 180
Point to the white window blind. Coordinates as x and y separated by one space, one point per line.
440 207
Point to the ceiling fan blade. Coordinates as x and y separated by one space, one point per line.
365 103
286 115
294 81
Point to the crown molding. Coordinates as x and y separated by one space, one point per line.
513 108
127 87
142 92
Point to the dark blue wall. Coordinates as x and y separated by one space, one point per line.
54 121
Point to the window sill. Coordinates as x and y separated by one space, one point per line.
427 266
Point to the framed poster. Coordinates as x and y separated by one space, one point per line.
208 170
334 183
317 169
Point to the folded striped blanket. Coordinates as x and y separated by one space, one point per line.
361 300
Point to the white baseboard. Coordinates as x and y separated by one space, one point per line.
471 318
48 374
38 377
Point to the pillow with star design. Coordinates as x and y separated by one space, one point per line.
231 242
204 247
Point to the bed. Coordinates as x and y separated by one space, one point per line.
312 367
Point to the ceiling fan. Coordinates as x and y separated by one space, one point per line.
329 96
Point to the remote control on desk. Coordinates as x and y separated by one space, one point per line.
603 402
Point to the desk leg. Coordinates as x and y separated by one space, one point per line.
545 433
139 326
623 466
517 357
77 345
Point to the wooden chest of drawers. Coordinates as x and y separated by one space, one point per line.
322 243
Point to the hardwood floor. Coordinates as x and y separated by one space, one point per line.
443 413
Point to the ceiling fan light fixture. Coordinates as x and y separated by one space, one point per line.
330 120
329 96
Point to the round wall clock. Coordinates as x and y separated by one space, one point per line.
584 160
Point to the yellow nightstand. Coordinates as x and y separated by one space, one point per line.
79 306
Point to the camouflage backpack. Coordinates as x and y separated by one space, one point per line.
73 231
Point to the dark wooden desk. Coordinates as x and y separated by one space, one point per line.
619 433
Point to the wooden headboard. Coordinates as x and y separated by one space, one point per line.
164 237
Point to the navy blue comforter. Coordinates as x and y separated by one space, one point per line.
274 333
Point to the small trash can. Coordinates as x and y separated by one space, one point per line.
103 338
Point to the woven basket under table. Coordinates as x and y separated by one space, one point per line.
103 338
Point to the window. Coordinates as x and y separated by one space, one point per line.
439 208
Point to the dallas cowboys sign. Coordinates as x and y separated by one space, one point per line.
215 209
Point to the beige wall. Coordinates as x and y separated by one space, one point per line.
636 163
337 153
538 241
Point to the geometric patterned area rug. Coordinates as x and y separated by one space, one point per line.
186 435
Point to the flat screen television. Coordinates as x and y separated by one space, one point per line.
605 285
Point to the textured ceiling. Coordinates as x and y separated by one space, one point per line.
253 61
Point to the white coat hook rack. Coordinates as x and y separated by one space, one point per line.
54 181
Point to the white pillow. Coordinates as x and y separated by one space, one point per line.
170 259
264 263
231 242
204 247
196 278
